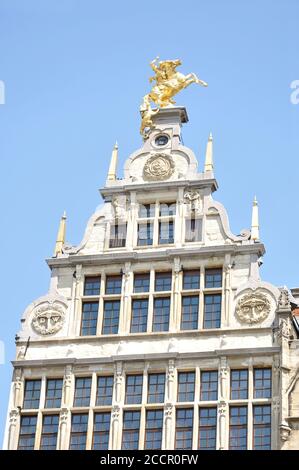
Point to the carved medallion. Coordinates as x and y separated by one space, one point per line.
158 167
48 318
253 308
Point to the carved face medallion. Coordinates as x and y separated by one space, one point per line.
159 167
48 318
253 308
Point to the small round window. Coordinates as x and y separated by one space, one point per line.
161 140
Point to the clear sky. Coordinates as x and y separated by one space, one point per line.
75 72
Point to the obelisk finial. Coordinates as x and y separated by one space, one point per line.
209 154
113 163
255 232
60 241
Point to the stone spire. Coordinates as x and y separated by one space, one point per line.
255 233
60 241
113 164
209 155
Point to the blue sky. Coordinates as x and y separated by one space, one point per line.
75 72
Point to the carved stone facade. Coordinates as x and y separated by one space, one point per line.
253 308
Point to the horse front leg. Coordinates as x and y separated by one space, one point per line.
195 79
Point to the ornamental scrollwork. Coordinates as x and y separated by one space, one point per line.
48 318
253 308
158 167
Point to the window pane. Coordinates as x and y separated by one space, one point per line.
113 284
262 383
207 428
193 230
89 318
118 235
184 428
141 282
32 394
134 389
53 393
153 429
111 317
105 390
145 234
27 432
49 432
131 424
213 278
156 388
139 315
239 384
212 311
78 432
82 391
166 232
146 210
262 427
191 280
238 428
167 208
209 385
101 428
92 285
161 314
163 281
186 386
189 320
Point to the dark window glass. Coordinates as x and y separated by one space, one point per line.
139 315
191 280
161 314
166 232
105 390
161 140
156 388
212 311
118 235
141 282
27 432
238 428
184 428
145 234
239 384
82 391
262 427
209 385
262 383
163 281
134 389
53 393
89 318
111 317
113 284
186 386
101 428
32 394
207 428
193 230
153 429
92 285
167 209
49 432
213 278
78 431
131 426
146 210
189 320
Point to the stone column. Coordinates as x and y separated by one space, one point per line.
17 388
223 375
64 424
168 426
67 386
227 290
118 381
276 404
170 380
14 423
115 418
222 417
125 312
174 325
76 302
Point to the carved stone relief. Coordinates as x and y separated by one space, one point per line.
158 167
253 307
48 317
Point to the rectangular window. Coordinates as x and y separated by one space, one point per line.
78 431
262 427
238 428
213 278
141 282
184 428
166 232
262 379
189 320
186 386
207 428
111 317
212 311
134 389
113 284
101 428
193 229
131 425
163 281
145 234
27 433
32 394
118 235
53 393
156 388
153 429
105 390
49 432
191 280
146 211
209 385
161 314
239 384
82 391
167 208
92 285
139 315
89 318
